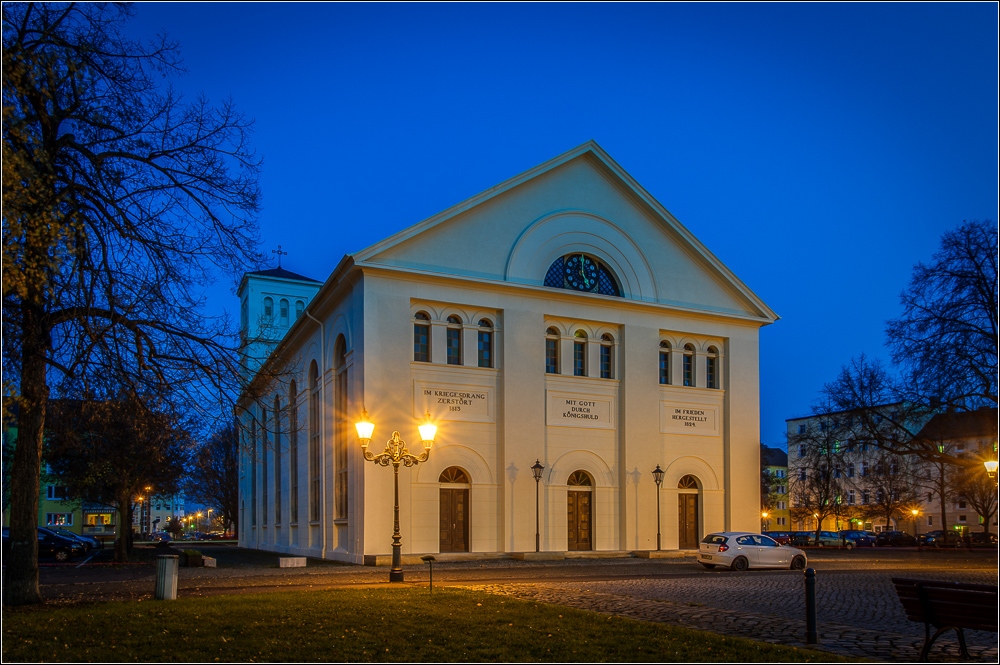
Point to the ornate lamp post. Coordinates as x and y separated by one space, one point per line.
536 471
395 453
991 468
658 479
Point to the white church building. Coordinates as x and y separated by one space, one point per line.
563 316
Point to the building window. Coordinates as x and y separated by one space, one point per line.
865 497
277 460
930 520
781 505
664 363
802 429
688 365
607 347
244 314
782 521
850 497
454 340
293 455
263 475
779 473
421 338
712 367
961 518
485 345
253 469
341 428
283 311
56 493
314 444
268 308
58 519
802 450
551 351
299 308
961 503
580 354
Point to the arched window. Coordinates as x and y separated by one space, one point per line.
582 272
277 459
263 494
607 356
421 337
268 308
712 367
580 479
293 454
453 474
580 353
485 345
551 351
687 483
453 340
688 365
283 312
299 308
314 444
341 428
665 363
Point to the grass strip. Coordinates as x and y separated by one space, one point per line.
398 624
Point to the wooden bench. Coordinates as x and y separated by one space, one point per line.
947 606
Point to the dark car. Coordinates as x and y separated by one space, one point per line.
88 542
854 539
783 537
895 539
942 538
802 538
60 548
983 539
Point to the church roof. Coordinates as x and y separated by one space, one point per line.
283 274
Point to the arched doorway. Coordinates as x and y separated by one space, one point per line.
687 513
579 511
454 522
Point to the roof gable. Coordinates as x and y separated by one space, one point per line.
580 201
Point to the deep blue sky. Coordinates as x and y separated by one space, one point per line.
819 150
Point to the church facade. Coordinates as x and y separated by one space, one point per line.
564 317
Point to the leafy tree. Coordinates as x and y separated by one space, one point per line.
214 475
120 202
109 451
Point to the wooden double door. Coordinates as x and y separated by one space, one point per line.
579 518
454 520
687 521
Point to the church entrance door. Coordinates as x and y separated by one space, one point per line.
687 521
454 518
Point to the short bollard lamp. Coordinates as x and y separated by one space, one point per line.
536 471
395 453
658 479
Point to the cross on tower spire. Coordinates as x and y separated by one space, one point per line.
279 253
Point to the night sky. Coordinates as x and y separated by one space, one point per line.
819 150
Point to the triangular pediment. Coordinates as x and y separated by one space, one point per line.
580 201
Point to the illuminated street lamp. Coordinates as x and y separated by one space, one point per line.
658 479
395 453
991 467
536 471
914 512
763 516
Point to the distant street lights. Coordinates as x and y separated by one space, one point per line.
395 453
658 479
536 471
763 519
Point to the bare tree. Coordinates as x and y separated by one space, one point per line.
946 340
978 489
888 482
815 487
214 475
121 201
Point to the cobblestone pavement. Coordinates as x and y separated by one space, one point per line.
858 613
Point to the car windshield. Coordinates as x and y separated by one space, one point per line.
714 539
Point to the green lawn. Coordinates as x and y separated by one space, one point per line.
377 624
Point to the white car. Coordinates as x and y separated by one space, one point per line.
740 550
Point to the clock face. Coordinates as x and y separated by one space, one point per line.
581 272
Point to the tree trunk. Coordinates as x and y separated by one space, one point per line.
20 585
125 529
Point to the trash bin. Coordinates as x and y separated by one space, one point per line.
166 577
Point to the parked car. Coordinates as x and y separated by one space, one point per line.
854 539
740 550
941 538
160 537
802 538
983 539
895 539
51 544
89 542
783 537
829 539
